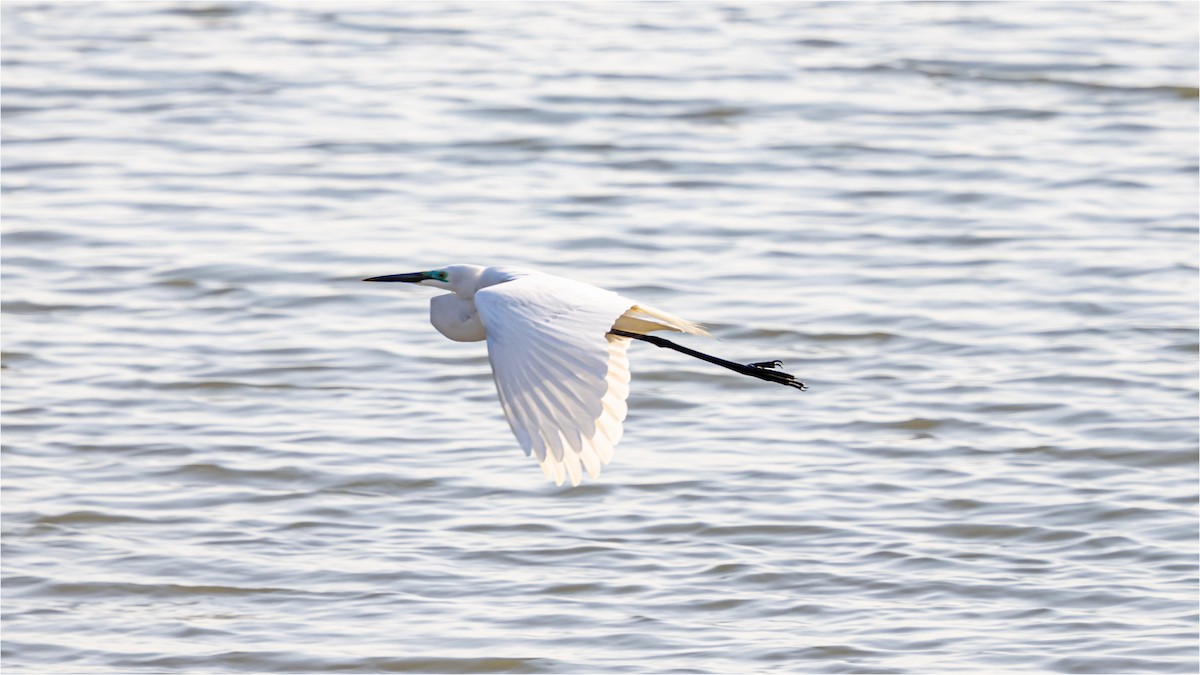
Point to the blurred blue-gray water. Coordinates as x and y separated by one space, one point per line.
971 228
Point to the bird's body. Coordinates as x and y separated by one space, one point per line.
558 350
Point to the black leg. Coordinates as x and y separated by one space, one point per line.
763 370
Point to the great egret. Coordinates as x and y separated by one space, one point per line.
558 354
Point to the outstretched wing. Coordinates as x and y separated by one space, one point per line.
562 379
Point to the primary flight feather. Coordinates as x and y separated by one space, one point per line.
558 350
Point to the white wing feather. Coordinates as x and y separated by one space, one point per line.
561 378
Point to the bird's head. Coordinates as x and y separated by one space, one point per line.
462 280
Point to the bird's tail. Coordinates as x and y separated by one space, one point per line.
643 319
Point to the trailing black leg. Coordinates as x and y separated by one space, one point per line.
763 370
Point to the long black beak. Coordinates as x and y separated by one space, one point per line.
411 277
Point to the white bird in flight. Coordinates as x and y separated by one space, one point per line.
558 354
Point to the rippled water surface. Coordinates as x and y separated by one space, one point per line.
970 228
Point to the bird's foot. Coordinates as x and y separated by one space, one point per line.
766 370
